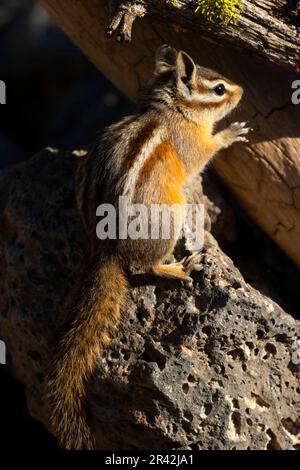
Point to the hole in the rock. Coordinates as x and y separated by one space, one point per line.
260 401
185 388
249 422
235 403
207 330
271 349
207 408
236 354
260 334
291 426
236 284
280 338
195 446
115 355
140 314
244 367
126 354
237 422
273 443
191 379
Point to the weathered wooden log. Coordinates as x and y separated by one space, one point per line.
270 29
265 175
216 366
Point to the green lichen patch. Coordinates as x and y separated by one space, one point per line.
224 11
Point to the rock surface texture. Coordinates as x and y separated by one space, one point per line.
208 367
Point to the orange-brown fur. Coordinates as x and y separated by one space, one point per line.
169 172
150 158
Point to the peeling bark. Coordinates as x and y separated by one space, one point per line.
268 28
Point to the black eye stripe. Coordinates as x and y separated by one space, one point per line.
219 89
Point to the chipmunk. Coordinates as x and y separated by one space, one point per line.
149 158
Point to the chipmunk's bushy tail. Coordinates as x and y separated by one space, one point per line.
96 313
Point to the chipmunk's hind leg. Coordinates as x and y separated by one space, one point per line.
171 271
180 270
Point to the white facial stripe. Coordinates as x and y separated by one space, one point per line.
139 162
209 97
212 83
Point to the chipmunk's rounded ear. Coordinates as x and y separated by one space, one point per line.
165 58
186 68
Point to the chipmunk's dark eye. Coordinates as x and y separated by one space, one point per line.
219 89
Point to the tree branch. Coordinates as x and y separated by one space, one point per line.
269 29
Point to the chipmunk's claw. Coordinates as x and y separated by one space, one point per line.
191 263
239 130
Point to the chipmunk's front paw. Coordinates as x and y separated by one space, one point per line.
238 131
